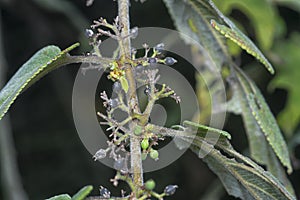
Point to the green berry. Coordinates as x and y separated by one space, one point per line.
138 130
144 156
145 143
150 184
154 154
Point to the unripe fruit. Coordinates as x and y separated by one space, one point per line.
145 143
138 130
150 184
154 154
144 156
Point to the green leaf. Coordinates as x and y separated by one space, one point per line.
261 13
240 176
264 118
192 17
244 181
124 84
238 37
42 62
288 78
60 197
204 129
81 194
260 150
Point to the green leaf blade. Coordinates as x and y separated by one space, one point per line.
243 179
261 14
260 149
240 176
238 37
192 17
264 118
83 193
60 197
45 60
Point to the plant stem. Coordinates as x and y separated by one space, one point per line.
135 148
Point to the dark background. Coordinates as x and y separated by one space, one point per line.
50 155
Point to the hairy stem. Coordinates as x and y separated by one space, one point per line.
135 149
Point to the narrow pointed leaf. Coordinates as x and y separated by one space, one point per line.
196 18
261 14
260 150
60 197
81 194
206 129
264 118
192 17
230 31
240 176
42 62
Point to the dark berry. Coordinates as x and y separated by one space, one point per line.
152 60
134 32
160 47
105 193
113 103
150 184
170 61
89 33
147 90
100 154
133 50
139 68
117 87
119 164
170 190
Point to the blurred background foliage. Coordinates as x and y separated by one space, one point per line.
50 156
